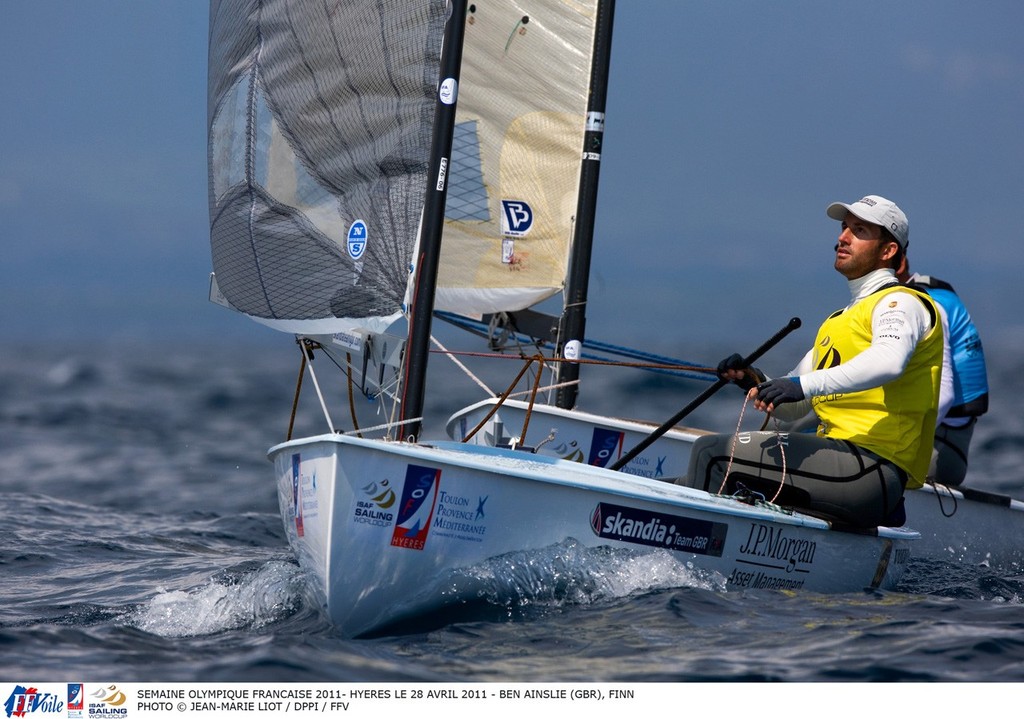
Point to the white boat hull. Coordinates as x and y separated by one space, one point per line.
386 529
957 525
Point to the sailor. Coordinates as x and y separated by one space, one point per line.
966 359
872 378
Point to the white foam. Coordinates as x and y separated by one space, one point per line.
262 597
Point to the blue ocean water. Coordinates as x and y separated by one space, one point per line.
141 541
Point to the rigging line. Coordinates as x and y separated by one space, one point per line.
520 344
501 400
546 388
732 451
619 349
351 393
385 426
298 389
388 391
588 343
732 447
608 363
533 399
938 496
392 392
319 394
348 370
461 366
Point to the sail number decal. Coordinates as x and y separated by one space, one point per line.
656 529
357 239
516 218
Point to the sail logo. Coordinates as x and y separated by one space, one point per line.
516 218
657 529
357 238
604 445
416 508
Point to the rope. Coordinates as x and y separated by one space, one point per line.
660 363
546 388
732 451
501 400
295 402
533 399
386 426
607 363
351 394
460 365
320 395
938 496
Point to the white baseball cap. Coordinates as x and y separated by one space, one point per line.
878 211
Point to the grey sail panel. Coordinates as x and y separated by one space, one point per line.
319 125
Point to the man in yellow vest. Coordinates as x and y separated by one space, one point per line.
872 378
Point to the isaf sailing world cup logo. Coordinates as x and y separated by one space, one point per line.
107 702
376 509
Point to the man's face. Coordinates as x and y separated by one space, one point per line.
860 248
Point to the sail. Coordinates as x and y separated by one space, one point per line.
515 168
319 122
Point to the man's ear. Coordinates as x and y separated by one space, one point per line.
890 250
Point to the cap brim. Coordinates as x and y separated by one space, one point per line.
838 210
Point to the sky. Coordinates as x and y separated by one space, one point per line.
730 126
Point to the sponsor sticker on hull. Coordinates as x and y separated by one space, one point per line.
768 554
419 498
297 493
604 445
657 529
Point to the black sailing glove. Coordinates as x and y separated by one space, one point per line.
751 375
780 391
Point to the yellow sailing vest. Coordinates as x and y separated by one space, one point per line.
897 420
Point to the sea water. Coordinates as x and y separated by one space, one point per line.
141 541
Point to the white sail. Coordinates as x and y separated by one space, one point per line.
515 171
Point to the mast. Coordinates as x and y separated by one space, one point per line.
573 321
429 246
